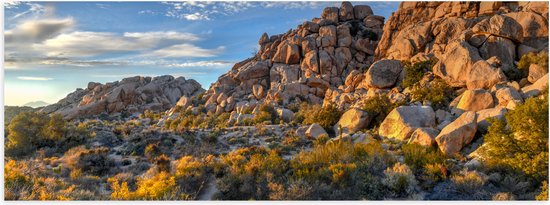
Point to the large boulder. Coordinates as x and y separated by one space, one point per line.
352 121
457 62
500 25
475 100
500 47
457 134
424 136
383 73
330 14
536 72
346 11
534 26
327 35
402 121
484 76
362 11
508 97
285 114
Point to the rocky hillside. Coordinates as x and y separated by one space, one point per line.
303 63
128 96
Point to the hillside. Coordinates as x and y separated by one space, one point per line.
442 101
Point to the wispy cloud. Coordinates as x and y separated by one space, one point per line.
184 50
34 78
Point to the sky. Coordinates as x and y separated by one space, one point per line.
52 48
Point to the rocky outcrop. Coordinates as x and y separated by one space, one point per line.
464 36
302 64
130 95
352 121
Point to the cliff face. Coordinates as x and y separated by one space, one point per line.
303 63
130 95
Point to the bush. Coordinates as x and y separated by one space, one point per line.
437 92
417 156
415 72
540 59
543 195
15 180
326 116
378 108
400 180
522 146
469 185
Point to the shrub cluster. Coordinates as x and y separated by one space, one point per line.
378 108
326 116
415 71
437 92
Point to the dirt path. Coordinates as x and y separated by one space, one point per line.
209 191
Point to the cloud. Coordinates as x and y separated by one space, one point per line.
185 50
34 78
10 4
37 30
200 64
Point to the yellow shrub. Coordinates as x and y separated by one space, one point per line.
160 186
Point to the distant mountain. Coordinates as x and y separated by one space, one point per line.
36 104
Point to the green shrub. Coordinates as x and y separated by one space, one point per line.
400 180
378 108
415 72
437 92
326 116
540 59
30 131
417 156
523 145
266 113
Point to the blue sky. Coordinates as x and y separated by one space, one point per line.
52 48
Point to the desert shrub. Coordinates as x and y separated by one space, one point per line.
400 180
16 181
30 131
266 113
190 175
540 59
325 116
378 108
152 151
154 116
522 146
95 161
415 71
469 185
159 186
437 92
417 156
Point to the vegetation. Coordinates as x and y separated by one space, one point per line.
326 116
378 108
521 146
540 59
437 92
266 113
415 71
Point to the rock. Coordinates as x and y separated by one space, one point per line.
311 62
327 34
301 131
488 7
483 75
383 74
315 131
258 91
374 22
457 63
330 14
352 121
500 25
457 134
536 72
344 37
184 102
402 121
264 39
252 70
424 136
506 95
475 100
536 88
483 115
346 11
534 27
365 45
500 47
362 11
288 54
354 78
285 114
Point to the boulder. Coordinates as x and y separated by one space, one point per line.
383 74
352 121
184 102
500 25
285 114
424 136
330 14
346 11
536 72
402 121
258 91
483 115
483 75
507 95
328 37
311 61
344 37
534 26
456 64
489 7
361 11
457 134
475 100
315 131
502 48
536 88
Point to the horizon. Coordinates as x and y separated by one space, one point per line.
53 48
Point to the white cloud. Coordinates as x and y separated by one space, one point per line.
10 4
34 78
185 50
200 64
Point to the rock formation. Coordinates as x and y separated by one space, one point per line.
130 95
